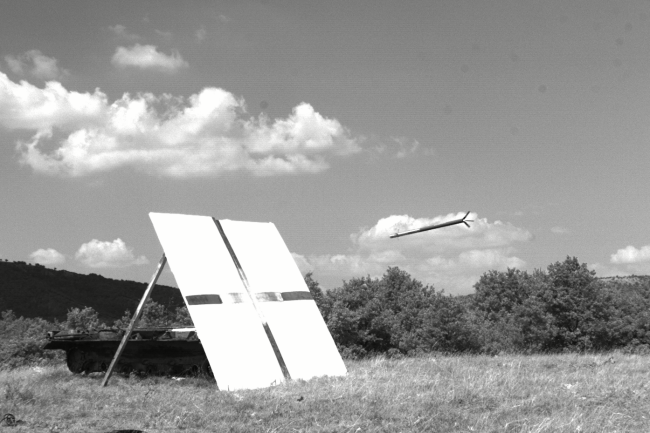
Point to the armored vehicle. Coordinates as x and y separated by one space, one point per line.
155 351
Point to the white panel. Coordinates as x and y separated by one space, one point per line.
232 335
298 327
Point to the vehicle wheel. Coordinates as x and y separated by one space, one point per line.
76 360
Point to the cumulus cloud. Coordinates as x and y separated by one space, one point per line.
624 262
37 65
559 230
490 259
48 257
631 254
396 147
164 35
207 134
452 258
405 146
607 270
200 34
483 234
148 57
302 263
120 31
115 254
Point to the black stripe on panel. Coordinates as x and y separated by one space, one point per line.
296 296
239 298
203 299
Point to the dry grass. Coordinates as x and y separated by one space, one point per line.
555 393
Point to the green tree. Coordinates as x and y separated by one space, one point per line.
156 315
182 317
446 326
623 315
353 319
499 293
23 340
396 315
322 302
570 299
82 320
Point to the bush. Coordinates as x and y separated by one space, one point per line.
23 340
155 315
565 308
394 315
82 320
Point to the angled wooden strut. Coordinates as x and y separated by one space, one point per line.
136 316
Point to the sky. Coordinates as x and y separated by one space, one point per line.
341 122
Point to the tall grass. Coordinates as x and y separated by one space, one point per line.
554 393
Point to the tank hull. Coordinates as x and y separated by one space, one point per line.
149 351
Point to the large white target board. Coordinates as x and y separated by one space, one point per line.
251 308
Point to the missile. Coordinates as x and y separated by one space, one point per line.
435 226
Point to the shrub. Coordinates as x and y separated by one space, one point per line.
82 320
155 315
23 340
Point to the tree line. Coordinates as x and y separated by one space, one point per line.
563 308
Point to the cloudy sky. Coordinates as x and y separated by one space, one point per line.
341 122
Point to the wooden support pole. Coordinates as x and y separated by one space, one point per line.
136 316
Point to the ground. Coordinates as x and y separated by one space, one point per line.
512 393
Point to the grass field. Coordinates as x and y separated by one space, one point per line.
554 393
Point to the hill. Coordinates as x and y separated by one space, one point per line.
641 280
32 290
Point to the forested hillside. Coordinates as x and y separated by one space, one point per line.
32 290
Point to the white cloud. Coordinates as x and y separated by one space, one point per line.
120 31
16 65
482 234
559 230
24 106
621 269
37 65
48 256
405 146
200 34
165 35
98 254
148 57
604 270
489 259
342 265
631 254
452 258
396 147
625 261
302 263
207 134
